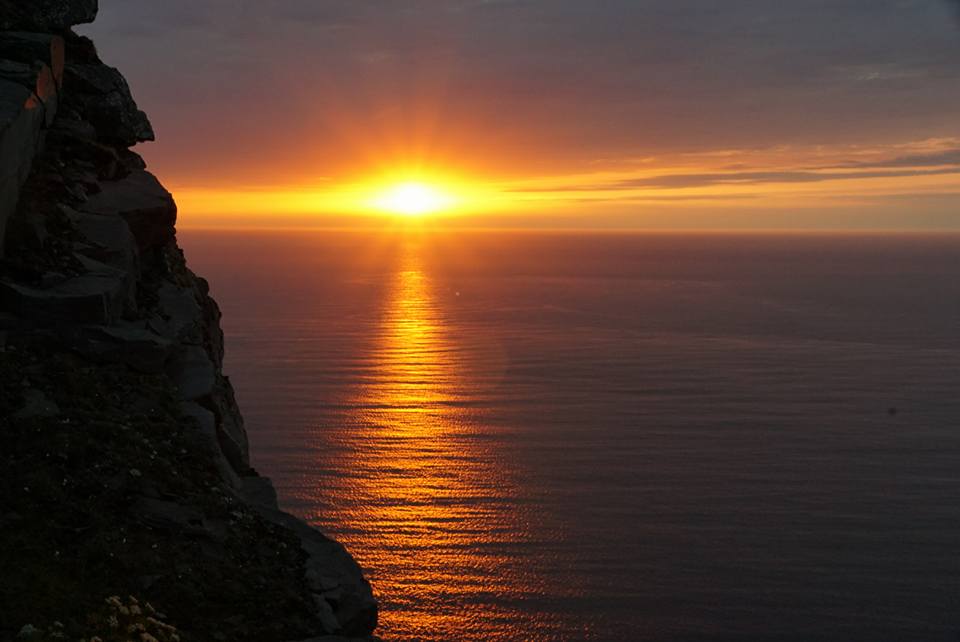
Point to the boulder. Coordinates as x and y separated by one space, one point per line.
143 203
45 15
131 161
111 241
126 343
102 96
260 492
179 314
70 130
333 576
78 139
193 373
30 48
98 297
206 423
81 49
230 427
326 616
129 279
205 420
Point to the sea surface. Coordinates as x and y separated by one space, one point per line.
530 436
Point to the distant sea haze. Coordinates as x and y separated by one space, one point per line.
613 437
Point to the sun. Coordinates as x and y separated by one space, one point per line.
412 199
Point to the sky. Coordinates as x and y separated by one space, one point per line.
613 114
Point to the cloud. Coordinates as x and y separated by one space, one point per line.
699 180
936 159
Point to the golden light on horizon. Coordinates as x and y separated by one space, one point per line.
413 199
706 192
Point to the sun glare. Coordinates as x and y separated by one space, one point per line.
413 199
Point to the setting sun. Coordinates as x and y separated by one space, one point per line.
412 199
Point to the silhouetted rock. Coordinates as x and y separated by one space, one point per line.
206 423
33 48
260 492
334 578
141 201
193 373
45 15
110 240
96 297
179 315
125 343
231 432
102 96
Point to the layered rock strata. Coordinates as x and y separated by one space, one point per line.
126 467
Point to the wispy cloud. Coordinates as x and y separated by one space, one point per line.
935 159
758 178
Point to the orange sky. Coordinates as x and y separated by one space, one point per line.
669 114
845 187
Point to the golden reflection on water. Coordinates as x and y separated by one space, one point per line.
431 506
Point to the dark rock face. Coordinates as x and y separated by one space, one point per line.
21 121
126 464
141 201
31 48
45 15
102 97
97 296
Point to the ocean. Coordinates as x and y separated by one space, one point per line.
556 436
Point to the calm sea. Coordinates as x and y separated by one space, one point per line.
612 437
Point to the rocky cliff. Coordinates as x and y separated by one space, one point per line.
128 507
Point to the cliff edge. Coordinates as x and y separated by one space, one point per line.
128 507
